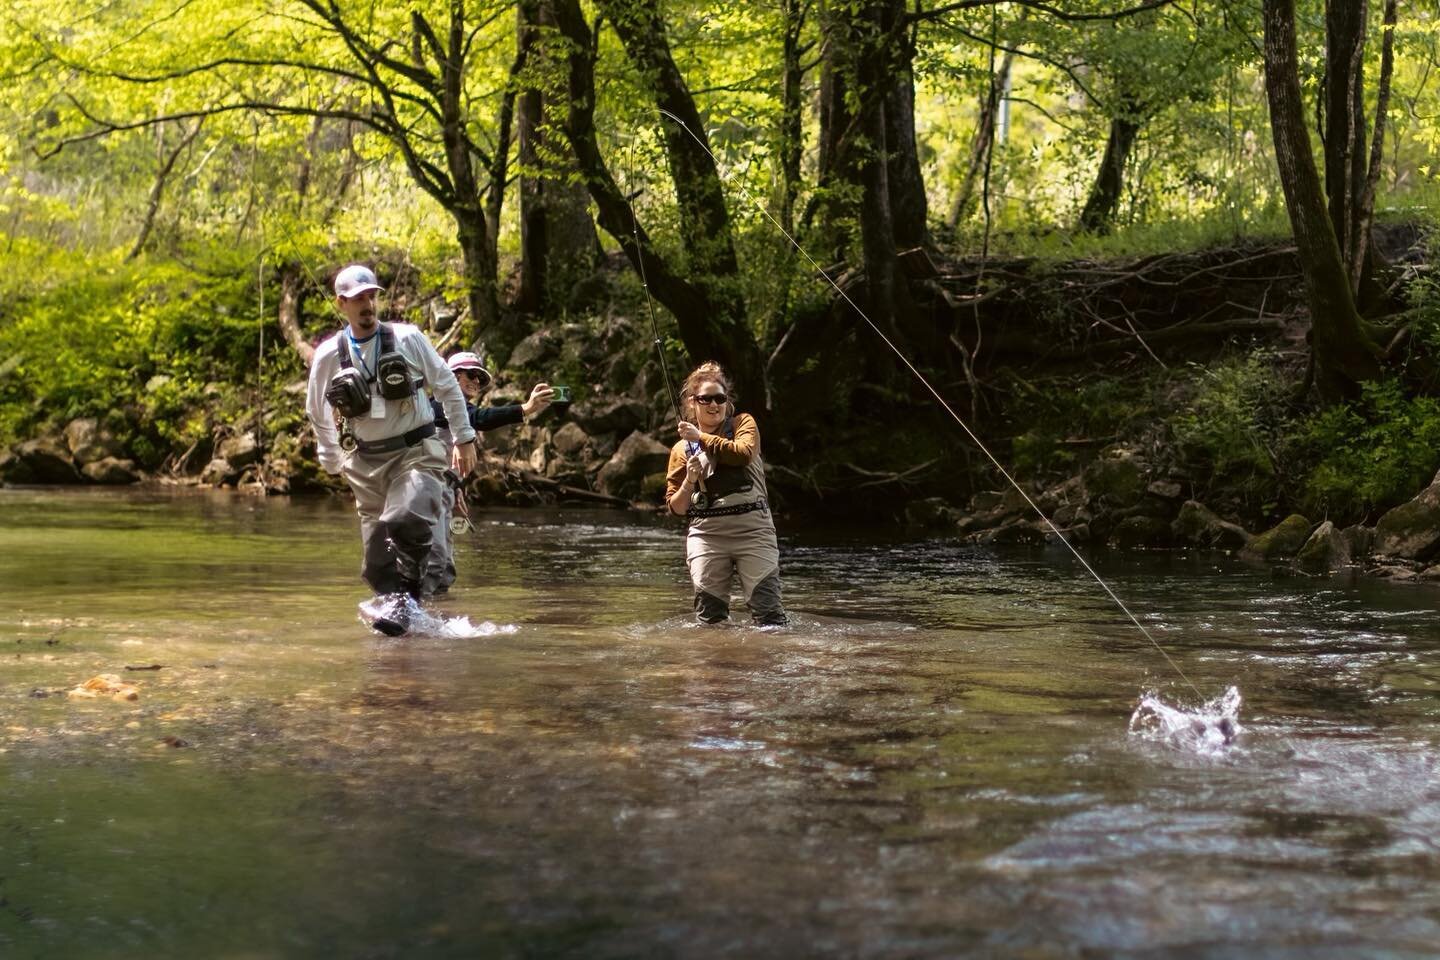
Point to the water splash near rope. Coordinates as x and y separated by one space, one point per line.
1207 729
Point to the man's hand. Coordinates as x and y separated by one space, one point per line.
540 398
462 461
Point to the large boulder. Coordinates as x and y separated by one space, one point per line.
622 416
240 450
1199 525
570 440
638 456
1326 550
89 442
534 351
111 470
38 461
1281 541
219 472
1411 531
1359 540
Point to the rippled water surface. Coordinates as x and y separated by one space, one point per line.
934 762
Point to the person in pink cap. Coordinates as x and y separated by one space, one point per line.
474 381
369 401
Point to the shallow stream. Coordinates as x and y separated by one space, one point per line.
936 761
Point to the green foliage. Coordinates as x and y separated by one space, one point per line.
160 345
1232 428
1067 419
1371 454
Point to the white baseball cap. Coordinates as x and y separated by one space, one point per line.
465 360
355 280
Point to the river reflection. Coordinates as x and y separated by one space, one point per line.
933 762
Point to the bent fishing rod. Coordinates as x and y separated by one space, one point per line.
934 393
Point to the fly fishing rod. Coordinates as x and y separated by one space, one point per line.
645 284
939 399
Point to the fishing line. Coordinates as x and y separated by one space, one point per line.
941 400
650 303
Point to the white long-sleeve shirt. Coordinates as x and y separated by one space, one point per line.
401 416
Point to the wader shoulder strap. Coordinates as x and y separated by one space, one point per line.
387 345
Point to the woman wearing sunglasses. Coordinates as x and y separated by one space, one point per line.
716 481
474 381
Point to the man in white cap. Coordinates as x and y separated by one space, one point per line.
474 380
374 425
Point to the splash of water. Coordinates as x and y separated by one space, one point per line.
429 623
1208 728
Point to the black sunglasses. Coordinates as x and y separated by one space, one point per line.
709 398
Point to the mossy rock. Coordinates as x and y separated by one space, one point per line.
1119 477
1281 541
1411 531
1326 550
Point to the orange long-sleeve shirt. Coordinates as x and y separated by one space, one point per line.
739 452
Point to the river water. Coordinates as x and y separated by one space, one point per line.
934 762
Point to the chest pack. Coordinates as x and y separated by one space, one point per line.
725 479
349 389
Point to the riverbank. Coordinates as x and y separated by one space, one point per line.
1151 402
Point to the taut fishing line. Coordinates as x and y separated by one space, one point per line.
941 400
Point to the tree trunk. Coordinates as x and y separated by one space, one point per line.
909 206
1361 272
709 331
1344 134
1104 199
477 244
557 237
292 294
704 217
1344 357
792 131
981 144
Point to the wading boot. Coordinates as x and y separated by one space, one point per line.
392 617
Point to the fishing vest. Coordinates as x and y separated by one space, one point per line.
730 483
392 371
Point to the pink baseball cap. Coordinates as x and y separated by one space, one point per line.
465 360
